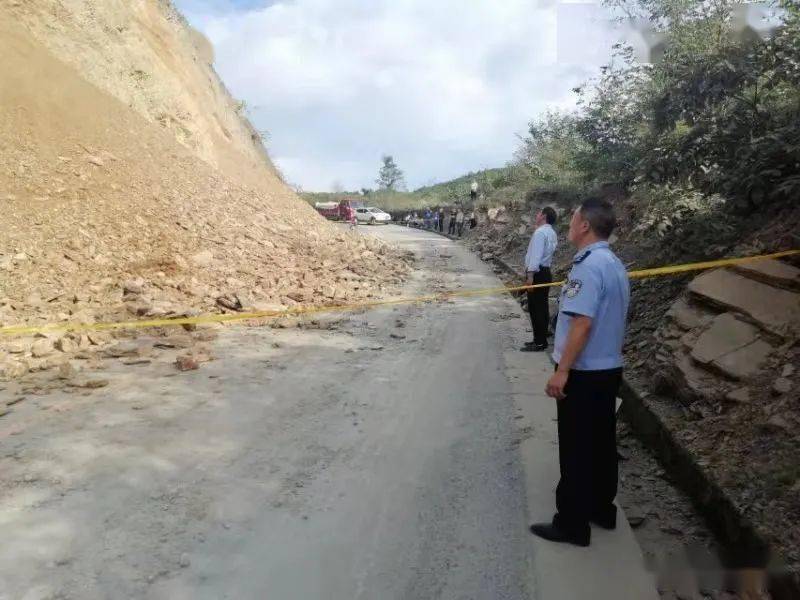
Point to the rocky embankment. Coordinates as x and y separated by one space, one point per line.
111 213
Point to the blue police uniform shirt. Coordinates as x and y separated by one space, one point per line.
597 287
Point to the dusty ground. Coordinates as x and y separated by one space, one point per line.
374 459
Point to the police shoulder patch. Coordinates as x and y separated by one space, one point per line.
572 288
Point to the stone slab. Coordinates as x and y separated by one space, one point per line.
773 272
726 334
744 362
773 309
687 316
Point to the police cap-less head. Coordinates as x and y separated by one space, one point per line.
593 221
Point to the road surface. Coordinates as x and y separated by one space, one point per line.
396 453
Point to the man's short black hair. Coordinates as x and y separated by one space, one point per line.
600 215
549 215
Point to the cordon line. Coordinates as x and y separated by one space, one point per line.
310 310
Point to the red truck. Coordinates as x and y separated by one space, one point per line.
336 211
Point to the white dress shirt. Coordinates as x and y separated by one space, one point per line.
541 248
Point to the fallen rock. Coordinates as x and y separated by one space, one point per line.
66 371
42 347
174 341
139 307
12 369
136 361
128 349
16 347
99 338
133 286
778 423
782 385
788 371
230 301
89 384
739 396
636 520
187 363
687 316
66 344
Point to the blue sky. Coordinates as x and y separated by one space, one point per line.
445 86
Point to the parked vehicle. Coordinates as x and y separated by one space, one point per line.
335 211
372 215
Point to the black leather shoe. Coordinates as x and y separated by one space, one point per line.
552 533
605 519
534 348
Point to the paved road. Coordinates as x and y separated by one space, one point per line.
399 453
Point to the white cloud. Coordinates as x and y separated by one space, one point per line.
444 86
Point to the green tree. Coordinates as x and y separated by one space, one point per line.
390 177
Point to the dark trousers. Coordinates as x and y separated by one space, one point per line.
587 448
539 306
441 224
451 226
460 228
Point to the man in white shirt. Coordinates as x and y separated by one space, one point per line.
537 266
473 191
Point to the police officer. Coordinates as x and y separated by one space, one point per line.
588 355
537 265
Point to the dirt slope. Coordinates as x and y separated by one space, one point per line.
143 53
95 195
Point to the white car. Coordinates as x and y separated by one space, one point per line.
372 215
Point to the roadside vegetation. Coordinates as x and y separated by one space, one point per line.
703 134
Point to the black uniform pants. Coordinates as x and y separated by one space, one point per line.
451 226
587 448
539 306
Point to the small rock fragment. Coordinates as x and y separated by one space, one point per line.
739 396
89 384
186 363
781 386
788 371
66 371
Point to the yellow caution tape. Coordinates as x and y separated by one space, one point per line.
310 310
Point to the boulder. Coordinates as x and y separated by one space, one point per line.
12 369
133 287
42 347
773 309
66 344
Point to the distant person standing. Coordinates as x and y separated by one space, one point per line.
460 221
451 226
473 191
538 260
588 356
473 220
435 220
441 219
